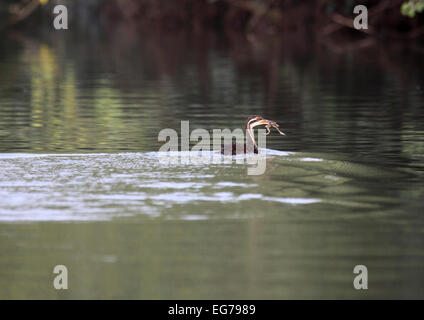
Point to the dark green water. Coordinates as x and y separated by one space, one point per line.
81 184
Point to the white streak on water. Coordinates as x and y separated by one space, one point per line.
100 187
310 159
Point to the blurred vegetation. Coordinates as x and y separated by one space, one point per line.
320 17
410 8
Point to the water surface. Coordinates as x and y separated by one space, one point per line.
81 184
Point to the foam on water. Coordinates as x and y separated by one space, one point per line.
101 186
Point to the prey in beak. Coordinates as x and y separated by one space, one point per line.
252 121
257 121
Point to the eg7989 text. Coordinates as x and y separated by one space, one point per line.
233 309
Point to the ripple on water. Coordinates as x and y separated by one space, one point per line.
85 187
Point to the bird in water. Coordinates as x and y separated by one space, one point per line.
252 121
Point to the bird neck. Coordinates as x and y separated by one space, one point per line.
251 135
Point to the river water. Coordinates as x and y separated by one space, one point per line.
81 183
